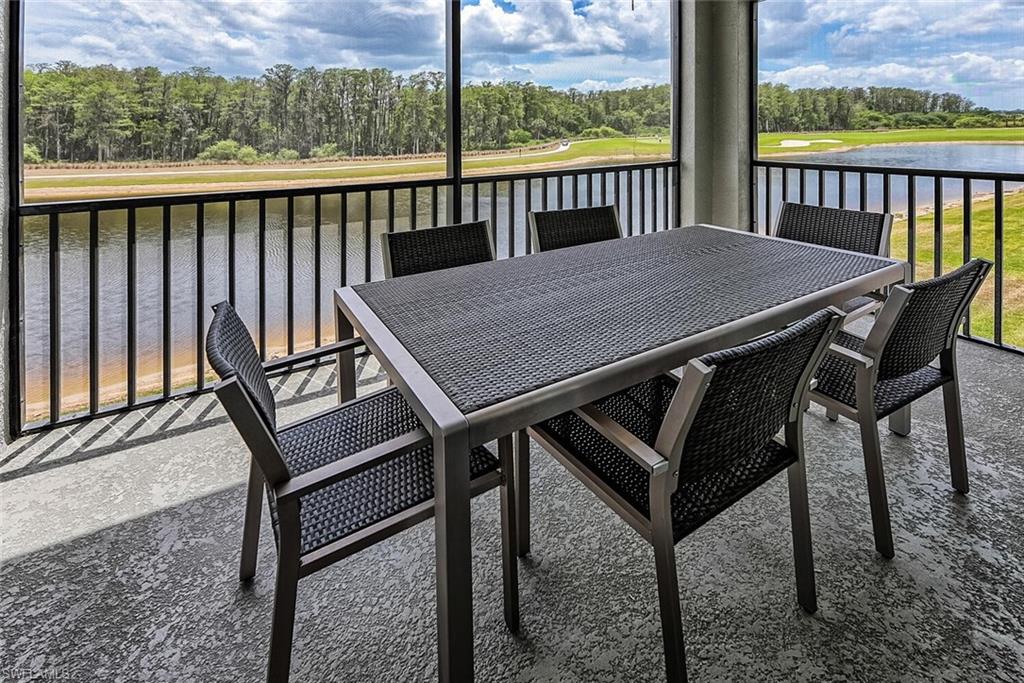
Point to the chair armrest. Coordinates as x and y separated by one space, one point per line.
645 456
303 356
352 465
851 356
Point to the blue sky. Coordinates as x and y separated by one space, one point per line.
973 47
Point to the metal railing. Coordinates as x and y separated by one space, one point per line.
114 295
943 218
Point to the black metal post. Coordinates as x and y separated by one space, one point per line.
453 93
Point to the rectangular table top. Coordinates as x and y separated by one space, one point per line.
489 332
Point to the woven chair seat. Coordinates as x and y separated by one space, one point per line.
837 379
858 302
641 409
369 497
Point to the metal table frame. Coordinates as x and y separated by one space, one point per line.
454 433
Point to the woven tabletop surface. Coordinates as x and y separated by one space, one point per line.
491 331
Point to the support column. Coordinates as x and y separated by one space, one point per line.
8 190
715 92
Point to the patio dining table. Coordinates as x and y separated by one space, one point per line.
482 351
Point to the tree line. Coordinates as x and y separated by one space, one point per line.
782 109
76 113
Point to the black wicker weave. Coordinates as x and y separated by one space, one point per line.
861 231
837 379
729 450
376 494
920 333
231 352
448 246
571 227
356 502
558 314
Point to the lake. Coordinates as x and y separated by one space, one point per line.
949 156
74 268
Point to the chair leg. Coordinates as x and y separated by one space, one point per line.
803 556
251 525
831 414
899 422
668 601
876 484
509 563
955 435
522 493
284 617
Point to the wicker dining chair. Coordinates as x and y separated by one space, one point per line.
338 481
446 246
862 231
670 454
570 227
867 379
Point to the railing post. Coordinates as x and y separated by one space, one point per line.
453 94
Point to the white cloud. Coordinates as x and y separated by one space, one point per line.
590 84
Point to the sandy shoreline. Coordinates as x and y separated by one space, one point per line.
850 148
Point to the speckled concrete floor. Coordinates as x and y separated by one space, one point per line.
120 540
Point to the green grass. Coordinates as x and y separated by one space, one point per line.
612 147
983 245
768 143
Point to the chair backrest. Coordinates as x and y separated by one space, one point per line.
923 319
447 246
861 231
730 403
570 227
231 352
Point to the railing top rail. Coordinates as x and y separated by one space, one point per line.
151 201
894 170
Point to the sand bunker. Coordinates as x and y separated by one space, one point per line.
808 143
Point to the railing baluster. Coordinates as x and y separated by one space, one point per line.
494 214
629 199
290 274
413 208
167 300
665 197
544 193
767 200
317 266
842 189
200 294
561 192
590 189
476 201
367 236
863 187
803 186
912 225
575 191
55 351
232 218
434 214
391 209
937 224
261 256
343 237
511 218
643 202
821 187
654 200
967 243
528 204
886 193
998 326
785 184
604 189
94 312
131 361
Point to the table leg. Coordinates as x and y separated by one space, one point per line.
453 556
346 364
